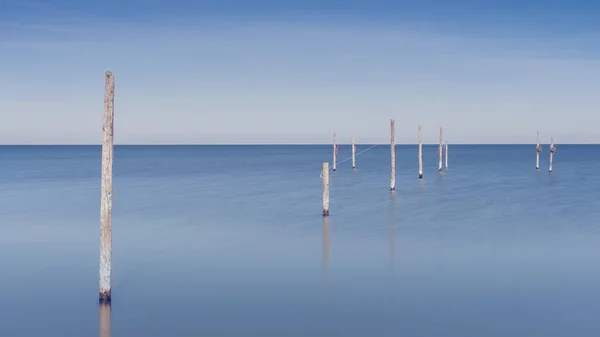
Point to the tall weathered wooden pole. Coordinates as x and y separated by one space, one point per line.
106 190
353 152
446 162
335 151
552 151
325 175
440 149
538 150
393 154
420 153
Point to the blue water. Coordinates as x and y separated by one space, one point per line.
230 241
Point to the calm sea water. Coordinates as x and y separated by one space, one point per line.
230 241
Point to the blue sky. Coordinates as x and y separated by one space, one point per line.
295 71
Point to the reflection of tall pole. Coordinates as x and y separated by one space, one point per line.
105 320
392 235
325 245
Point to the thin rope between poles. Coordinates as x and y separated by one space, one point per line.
356 154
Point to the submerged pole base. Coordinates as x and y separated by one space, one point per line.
104 297
420 175
325 212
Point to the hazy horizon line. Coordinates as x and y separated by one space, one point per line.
294 144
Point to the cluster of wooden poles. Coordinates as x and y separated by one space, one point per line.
538 150
325 171
106 184
442 146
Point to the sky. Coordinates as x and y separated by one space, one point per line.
267 71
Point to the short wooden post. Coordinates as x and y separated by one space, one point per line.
106 190
335 151
325 175
353 152
440 149
552 151
446 162
538 150
105 327
393 154
420 153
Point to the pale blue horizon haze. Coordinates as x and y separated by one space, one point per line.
210 72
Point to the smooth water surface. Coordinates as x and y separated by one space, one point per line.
230 241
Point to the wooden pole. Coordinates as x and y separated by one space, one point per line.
440 149
105 328
538 150
106 190
420 153
353 152
325 175
446 155
335 150
393 154
552 150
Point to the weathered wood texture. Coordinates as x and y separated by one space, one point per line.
106 190
335 151
420 153
552 150
446 155
325 175
440 150
393 154
538 150
353 152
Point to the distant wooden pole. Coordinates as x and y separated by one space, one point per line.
325 174
105 327
393 154
440 149
106 190
446 163
335 150
552 151
353 152
420 153
538 150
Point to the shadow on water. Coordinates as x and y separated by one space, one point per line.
104 319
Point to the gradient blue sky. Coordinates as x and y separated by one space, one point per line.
295 71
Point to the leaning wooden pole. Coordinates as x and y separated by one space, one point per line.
353 153
552 151
106 190
446 154
440 149
325 175
420 153
538 150
393 154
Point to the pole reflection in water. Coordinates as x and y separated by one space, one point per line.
392 234
104 319
325 246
